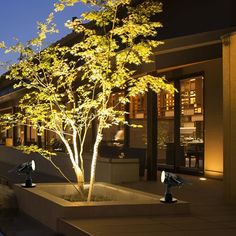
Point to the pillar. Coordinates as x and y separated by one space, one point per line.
151 135
229 116
14 131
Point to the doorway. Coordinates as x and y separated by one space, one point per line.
181 126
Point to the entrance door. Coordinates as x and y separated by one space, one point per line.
192 123
181 127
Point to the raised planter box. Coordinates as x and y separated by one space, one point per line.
45 203
113 170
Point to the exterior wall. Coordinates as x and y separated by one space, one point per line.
213 142
195 16
229 116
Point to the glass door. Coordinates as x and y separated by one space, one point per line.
192 123
181 127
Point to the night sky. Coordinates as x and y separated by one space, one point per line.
18 20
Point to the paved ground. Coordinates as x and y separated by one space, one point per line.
209 215
13 222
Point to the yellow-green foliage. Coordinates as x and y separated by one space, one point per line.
69 87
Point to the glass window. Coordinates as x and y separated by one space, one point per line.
165 128
192 121
138 116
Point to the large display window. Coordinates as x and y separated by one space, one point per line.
180 125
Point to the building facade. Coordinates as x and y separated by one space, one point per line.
185 132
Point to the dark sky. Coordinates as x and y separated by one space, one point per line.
18 20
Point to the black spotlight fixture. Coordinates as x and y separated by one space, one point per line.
170 180
27 168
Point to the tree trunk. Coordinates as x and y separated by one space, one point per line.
93 164
80 179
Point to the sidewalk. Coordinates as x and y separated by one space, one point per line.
209 215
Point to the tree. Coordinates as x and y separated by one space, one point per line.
69 87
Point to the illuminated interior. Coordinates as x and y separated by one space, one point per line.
191 125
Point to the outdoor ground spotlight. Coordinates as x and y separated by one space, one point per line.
170 180
27 168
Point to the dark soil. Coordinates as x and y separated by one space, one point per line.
79 198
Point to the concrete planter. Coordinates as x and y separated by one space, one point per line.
113 170
45 203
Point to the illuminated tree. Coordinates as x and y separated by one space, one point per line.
69 87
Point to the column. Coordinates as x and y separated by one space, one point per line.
126 127
14 131
25 134
151 135
229 116
39 138
177 109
